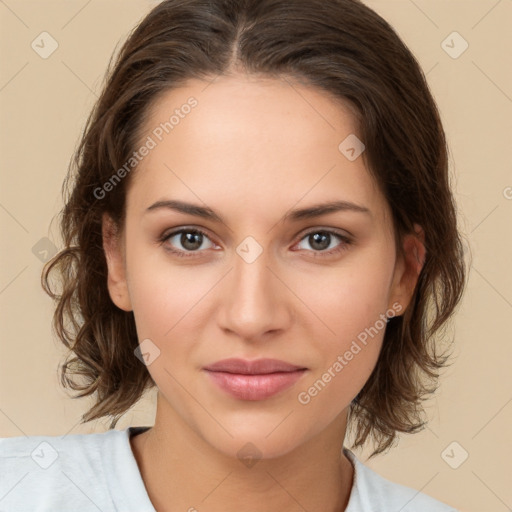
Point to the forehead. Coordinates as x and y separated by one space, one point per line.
249 141
252 110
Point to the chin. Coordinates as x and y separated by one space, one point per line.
255 440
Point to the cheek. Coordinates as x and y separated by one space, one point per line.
348 351
348 327
164 294
167 301
346 300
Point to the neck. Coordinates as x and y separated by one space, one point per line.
181 471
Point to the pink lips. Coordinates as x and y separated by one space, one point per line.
254 380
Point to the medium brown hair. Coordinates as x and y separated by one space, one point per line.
339 46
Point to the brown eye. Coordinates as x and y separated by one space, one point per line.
321 240
185 240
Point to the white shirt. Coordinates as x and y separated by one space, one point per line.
98 472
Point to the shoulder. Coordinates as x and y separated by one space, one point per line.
55 452
23 446
372 492
50 472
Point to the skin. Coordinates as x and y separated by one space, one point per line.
252 150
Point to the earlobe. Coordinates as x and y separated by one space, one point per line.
408 268
116 279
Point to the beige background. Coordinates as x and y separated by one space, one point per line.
44 103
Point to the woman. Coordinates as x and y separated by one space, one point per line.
258 221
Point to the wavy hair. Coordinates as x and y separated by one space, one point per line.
339 46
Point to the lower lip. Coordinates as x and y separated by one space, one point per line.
255 387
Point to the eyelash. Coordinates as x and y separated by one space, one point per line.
343 246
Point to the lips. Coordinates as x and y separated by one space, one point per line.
257 367
254 380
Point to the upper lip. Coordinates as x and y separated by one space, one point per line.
258 366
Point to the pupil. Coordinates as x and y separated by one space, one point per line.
321 244
191 241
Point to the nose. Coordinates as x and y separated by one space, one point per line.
255 301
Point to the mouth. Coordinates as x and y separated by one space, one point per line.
254 380
256 367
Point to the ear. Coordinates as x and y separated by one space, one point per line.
408 268
115 256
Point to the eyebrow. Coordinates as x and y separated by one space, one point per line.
309 212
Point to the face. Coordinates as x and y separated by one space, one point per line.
252 279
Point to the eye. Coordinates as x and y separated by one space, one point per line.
190 239
320 240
